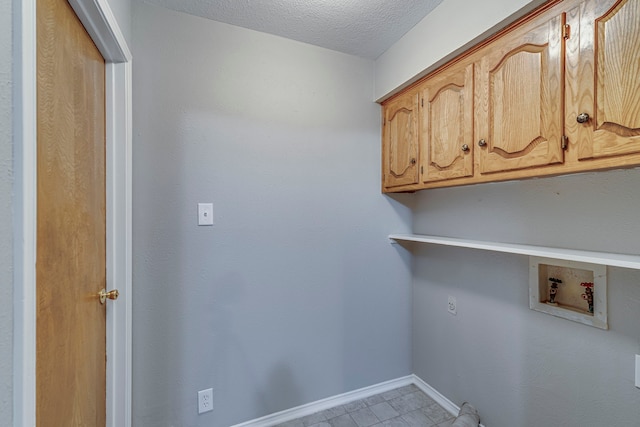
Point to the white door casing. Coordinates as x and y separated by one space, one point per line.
100 23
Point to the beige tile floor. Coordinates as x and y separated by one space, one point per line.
402 407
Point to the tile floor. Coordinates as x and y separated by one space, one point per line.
403 407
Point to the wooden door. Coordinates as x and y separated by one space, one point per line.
520 115
608 79
446 125
400 148
70 257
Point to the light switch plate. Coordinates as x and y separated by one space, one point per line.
205 213
452 306
638 370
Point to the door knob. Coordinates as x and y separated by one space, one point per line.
104 295
482 143
465 147
582 118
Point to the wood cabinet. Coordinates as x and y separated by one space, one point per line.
557 92
607 79
446 125
400 141
521 95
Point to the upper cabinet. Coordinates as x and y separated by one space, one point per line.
558 92
607 78
446 125
519 118
400 150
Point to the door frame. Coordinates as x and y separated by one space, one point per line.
100 23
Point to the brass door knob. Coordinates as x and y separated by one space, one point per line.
104 295
582 118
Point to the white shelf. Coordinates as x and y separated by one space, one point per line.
603 258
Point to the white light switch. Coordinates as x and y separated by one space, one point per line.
638 370
205 213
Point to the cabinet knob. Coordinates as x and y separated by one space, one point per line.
413 161
482 143
582 118
465 147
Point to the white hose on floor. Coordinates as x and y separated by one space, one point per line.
467 417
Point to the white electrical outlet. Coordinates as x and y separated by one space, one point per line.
452 308
205 400
638 370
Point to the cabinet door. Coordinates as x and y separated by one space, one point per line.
609 79
446 125
520 110
400 141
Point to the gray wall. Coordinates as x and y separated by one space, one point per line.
6 219
122 12
295 294
424 45
518 366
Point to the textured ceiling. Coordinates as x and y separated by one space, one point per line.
363 28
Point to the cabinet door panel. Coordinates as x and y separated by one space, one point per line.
446 122
400 141
520 113
609 78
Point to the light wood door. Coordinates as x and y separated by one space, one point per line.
446 124
608 79
400 148
70 270
520 113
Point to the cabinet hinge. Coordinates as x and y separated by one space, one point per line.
421 170
566 31
565 142
422 101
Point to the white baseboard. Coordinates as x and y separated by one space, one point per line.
341 399
446 404
330 402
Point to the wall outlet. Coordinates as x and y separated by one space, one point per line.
205 400
452 307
